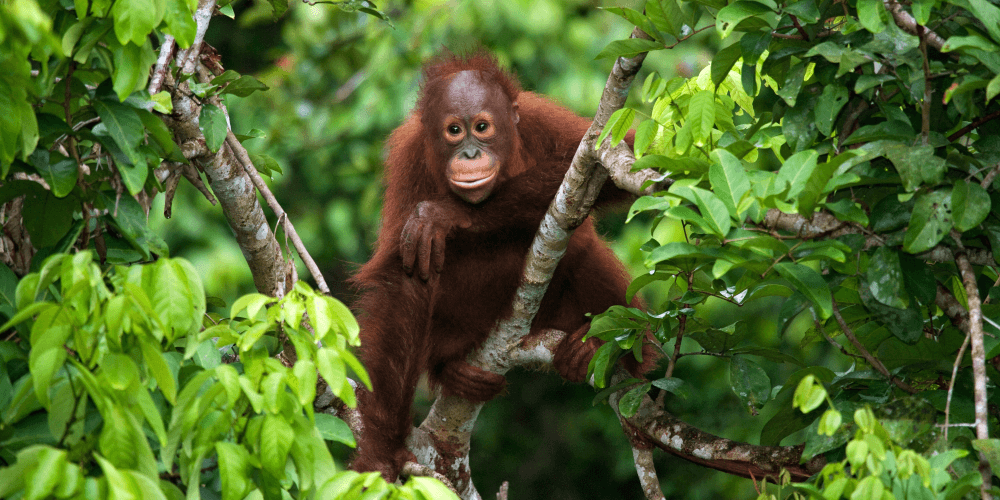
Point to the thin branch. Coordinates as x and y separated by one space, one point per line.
872 360
925 108
978 356
951 383
265 192
974 125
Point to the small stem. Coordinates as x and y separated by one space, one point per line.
872 360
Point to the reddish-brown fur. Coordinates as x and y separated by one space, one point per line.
410 325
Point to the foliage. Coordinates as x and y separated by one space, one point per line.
117 389
827 111
114 384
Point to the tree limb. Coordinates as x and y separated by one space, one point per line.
975 332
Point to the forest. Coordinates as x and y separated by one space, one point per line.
801 194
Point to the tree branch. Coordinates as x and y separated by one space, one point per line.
229 181
975 332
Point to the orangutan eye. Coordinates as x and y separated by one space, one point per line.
454 130
482 127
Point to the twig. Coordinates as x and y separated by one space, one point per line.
925 108
265 192
872 360
972 126
978 355
951 384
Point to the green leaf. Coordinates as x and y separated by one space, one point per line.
731 15
701 116
234 470
135 19
805 10
729 180
905 324
628 405
180 23
122 124
431 488
157 364
750 383
212 122
970 204
47 218
918 278
244 86
132 64
667 16
723 62
930 222
810 283
917 165
276 437
872 15
713 210
809 394
789 92
675 386
799 125
989 15
885 277
334 429
644 135
637 19
59 172
796 171
828 106
628 48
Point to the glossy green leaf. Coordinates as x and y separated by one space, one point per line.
872 15
810 283
244 86
989 15
667 16
714 211
334 429
930 222
729 180
58 171
970 204
885 277
628 405
628 48
701 116
135 19
917 165
828 106
731 15
47 218
905 323
789 91
132 64
212 122
675 386
796 171
644 135
180 23
750 383
723 62
122 125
